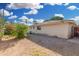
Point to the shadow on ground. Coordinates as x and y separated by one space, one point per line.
58 45
7 44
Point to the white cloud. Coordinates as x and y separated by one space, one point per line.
11 13
29 24
15 21
10 6
12 17
32 6
23 17
65 4
24 5
55 4
33 11
40 20
31 20
22 23
60 15
4 12
37 20
76 19
72 7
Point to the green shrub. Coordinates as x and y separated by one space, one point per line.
1 34
18 30
10 29
21 30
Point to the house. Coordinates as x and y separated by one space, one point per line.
59 28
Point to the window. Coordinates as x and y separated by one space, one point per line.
38 28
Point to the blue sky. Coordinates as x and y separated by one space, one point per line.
16 12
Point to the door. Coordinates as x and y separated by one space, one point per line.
76 31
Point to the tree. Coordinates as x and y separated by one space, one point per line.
57 18
2 22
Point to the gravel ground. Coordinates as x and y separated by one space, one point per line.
64 47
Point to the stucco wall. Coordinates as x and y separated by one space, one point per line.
59 30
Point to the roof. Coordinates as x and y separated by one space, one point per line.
56 22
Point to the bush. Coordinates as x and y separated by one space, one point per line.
21 30
10 29
1 34
18 30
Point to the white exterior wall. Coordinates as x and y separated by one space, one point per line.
59 30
